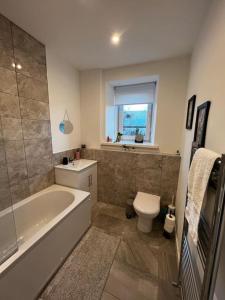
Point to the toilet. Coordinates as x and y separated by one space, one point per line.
147 207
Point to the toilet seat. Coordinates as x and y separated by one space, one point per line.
147 204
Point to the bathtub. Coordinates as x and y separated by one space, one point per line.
48 224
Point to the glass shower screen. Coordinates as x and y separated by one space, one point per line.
8 238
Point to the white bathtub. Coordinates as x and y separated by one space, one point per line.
48 225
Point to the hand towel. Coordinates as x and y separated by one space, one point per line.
198 178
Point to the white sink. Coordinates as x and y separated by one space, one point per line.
77 165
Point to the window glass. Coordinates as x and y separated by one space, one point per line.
133 119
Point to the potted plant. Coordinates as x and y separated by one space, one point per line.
118 138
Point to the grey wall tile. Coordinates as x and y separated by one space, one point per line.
116 179
8 81
34 110
26 43
124 172
6 47
58 157
31 88
39 165
6 61
170 175
9 106
35 129
2 150
25 132
30 66
20 191
5 36
149 161
57 160
5 196
70 153
14 151
148 173
40 182
121 175
90 154
149 181
5 30
17 172
12 129
38 148
2 155
4 178
1 133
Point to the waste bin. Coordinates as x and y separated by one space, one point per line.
130 212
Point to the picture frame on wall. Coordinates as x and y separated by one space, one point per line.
190 112
201 123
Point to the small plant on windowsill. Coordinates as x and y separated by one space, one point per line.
139 138
118 138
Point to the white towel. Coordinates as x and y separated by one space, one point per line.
198 178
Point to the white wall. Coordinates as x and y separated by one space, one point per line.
173 76
207 81
64 94
90 92
111 112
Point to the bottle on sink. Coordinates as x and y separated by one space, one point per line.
77 155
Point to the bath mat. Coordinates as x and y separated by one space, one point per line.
84 273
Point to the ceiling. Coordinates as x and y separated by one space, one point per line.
80 30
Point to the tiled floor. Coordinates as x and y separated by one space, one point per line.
116 261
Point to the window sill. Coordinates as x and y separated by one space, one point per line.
131 146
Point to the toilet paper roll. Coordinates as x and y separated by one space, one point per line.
169 223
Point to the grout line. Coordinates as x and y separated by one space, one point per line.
111 295
17 95
139 269
32 77
41 120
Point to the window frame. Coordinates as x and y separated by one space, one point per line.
148 136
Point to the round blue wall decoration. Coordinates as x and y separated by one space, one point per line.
65 126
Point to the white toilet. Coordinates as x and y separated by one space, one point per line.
147 207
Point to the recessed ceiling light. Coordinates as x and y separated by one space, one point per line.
19 67
115 39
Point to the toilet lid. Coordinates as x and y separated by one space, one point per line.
147 203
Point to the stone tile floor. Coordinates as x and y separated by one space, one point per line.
123 263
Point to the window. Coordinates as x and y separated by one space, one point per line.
133 119
135 107
130 109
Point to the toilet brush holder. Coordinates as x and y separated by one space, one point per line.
171 209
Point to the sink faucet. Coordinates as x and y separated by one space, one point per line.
125 147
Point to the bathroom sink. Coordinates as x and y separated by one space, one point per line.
77 165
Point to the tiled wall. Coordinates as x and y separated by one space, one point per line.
26 160
122 174
58 157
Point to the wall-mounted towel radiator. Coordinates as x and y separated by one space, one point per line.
199 265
